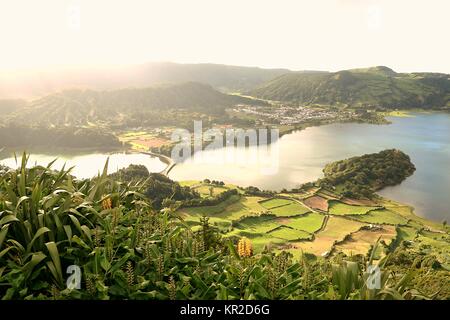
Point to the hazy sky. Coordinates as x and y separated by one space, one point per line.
406 35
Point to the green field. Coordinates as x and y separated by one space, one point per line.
231 209
261 224
338 227
291 209
276 202
204 190
342 209
310 222
382 216
289 234
212 210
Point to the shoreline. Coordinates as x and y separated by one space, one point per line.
170 164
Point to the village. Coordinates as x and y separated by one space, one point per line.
291 115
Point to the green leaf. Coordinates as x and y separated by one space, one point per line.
54 254
87 232
68 231
8 219
35 259
38 233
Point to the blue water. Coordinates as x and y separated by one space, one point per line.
425 137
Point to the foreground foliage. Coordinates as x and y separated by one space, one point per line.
128 250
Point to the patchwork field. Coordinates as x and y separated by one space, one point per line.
214 211
327 195
318 227
361 241
335 230
143 140
273 203
289 210
382 216
316 202
289 234
342 209
310 222
357 202
231 209
260 224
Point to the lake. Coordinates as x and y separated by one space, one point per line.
301 156
89 165
425 137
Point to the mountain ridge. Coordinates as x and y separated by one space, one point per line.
369 87
79 107
223 77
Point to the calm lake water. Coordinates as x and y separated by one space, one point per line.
89 165
303 154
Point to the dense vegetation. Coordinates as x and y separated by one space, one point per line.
127 250
12 135
378 87
159 189
361 176
81 107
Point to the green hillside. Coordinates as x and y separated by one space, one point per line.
371 87
79 107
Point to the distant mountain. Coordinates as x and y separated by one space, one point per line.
371 87
79 107
222 77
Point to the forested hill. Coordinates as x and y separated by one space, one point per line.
77 107
371 87
361 176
